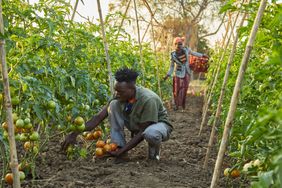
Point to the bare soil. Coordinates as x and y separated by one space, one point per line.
180 165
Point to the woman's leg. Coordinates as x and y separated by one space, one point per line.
182 91
186 82
176 91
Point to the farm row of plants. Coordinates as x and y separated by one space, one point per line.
255 144
58 72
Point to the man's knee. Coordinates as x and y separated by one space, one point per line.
152 136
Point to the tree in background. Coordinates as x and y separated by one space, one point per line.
176 18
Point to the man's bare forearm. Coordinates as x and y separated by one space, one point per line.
132 143
96 119
136 139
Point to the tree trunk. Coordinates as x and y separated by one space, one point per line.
8 105
106 48
190 36
193 42
235 95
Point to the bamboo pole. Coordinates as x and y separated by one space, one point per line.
74 10
124 15
235 95
139 40
106 48
146 30
168 49
205 112
222 92
214 72
207 91
156 59
8 105
227 27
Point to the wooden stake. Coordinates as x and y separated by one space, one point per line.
205 112
235 95
8 106
124 15
156 59
139 40
208 90
74 10
222 92
106 48
146 30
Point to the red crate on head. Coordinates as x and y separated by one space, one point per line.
199 64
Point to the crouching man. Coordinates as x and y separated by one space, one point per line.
138 109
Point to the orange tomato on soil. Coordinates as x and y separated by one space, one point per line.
89 136
100 144
235 173
113 146
107 147
97 134
9 178
5 126
99 152
27 146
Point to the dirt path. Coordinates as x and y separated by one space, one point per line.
180 165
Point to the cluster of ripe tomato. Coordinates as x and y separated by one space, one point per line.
198 64
102 147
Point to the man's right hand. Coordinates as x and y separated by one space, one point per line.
69 140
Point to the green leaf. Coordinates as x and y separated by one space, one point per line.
265 180
38 110
83 152
227 6
72 81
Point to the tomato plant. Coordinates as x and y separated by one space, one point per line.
256 132
58 74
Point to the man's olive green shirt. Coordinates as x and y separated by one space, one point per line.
148 107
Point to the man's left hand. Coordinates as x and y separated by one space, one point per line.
114 153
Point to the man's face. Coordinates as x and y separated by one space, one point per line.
124 91
178 45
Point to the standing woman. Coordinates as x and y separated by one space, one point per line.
179 66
